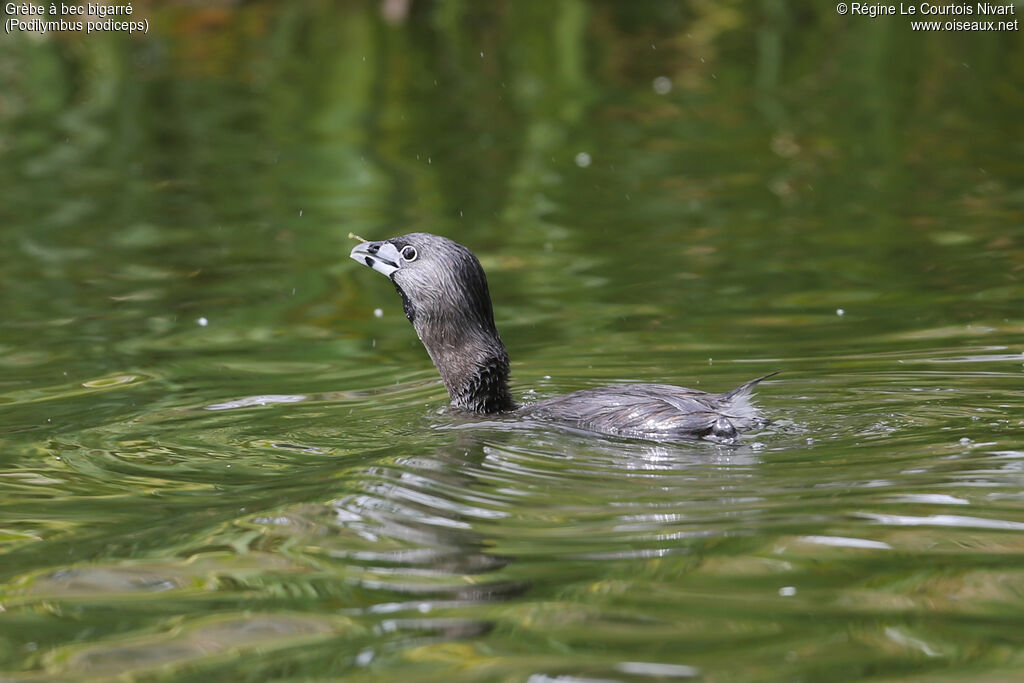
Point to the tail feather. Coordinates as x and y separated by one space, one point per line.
744 390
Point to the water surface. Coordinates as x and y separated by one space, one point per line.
225 455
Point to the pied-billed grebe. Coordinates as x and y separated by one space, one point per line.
445 297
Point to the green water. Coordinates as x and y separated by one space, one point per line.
838 198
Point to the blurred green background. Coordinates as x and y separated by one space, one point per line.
224 454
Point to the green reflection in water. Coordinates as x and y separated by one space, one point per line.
218 461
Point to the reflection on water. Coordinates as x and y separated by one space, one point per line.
217 462
537 549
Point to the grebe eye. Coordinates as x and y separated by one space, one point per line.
409 253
